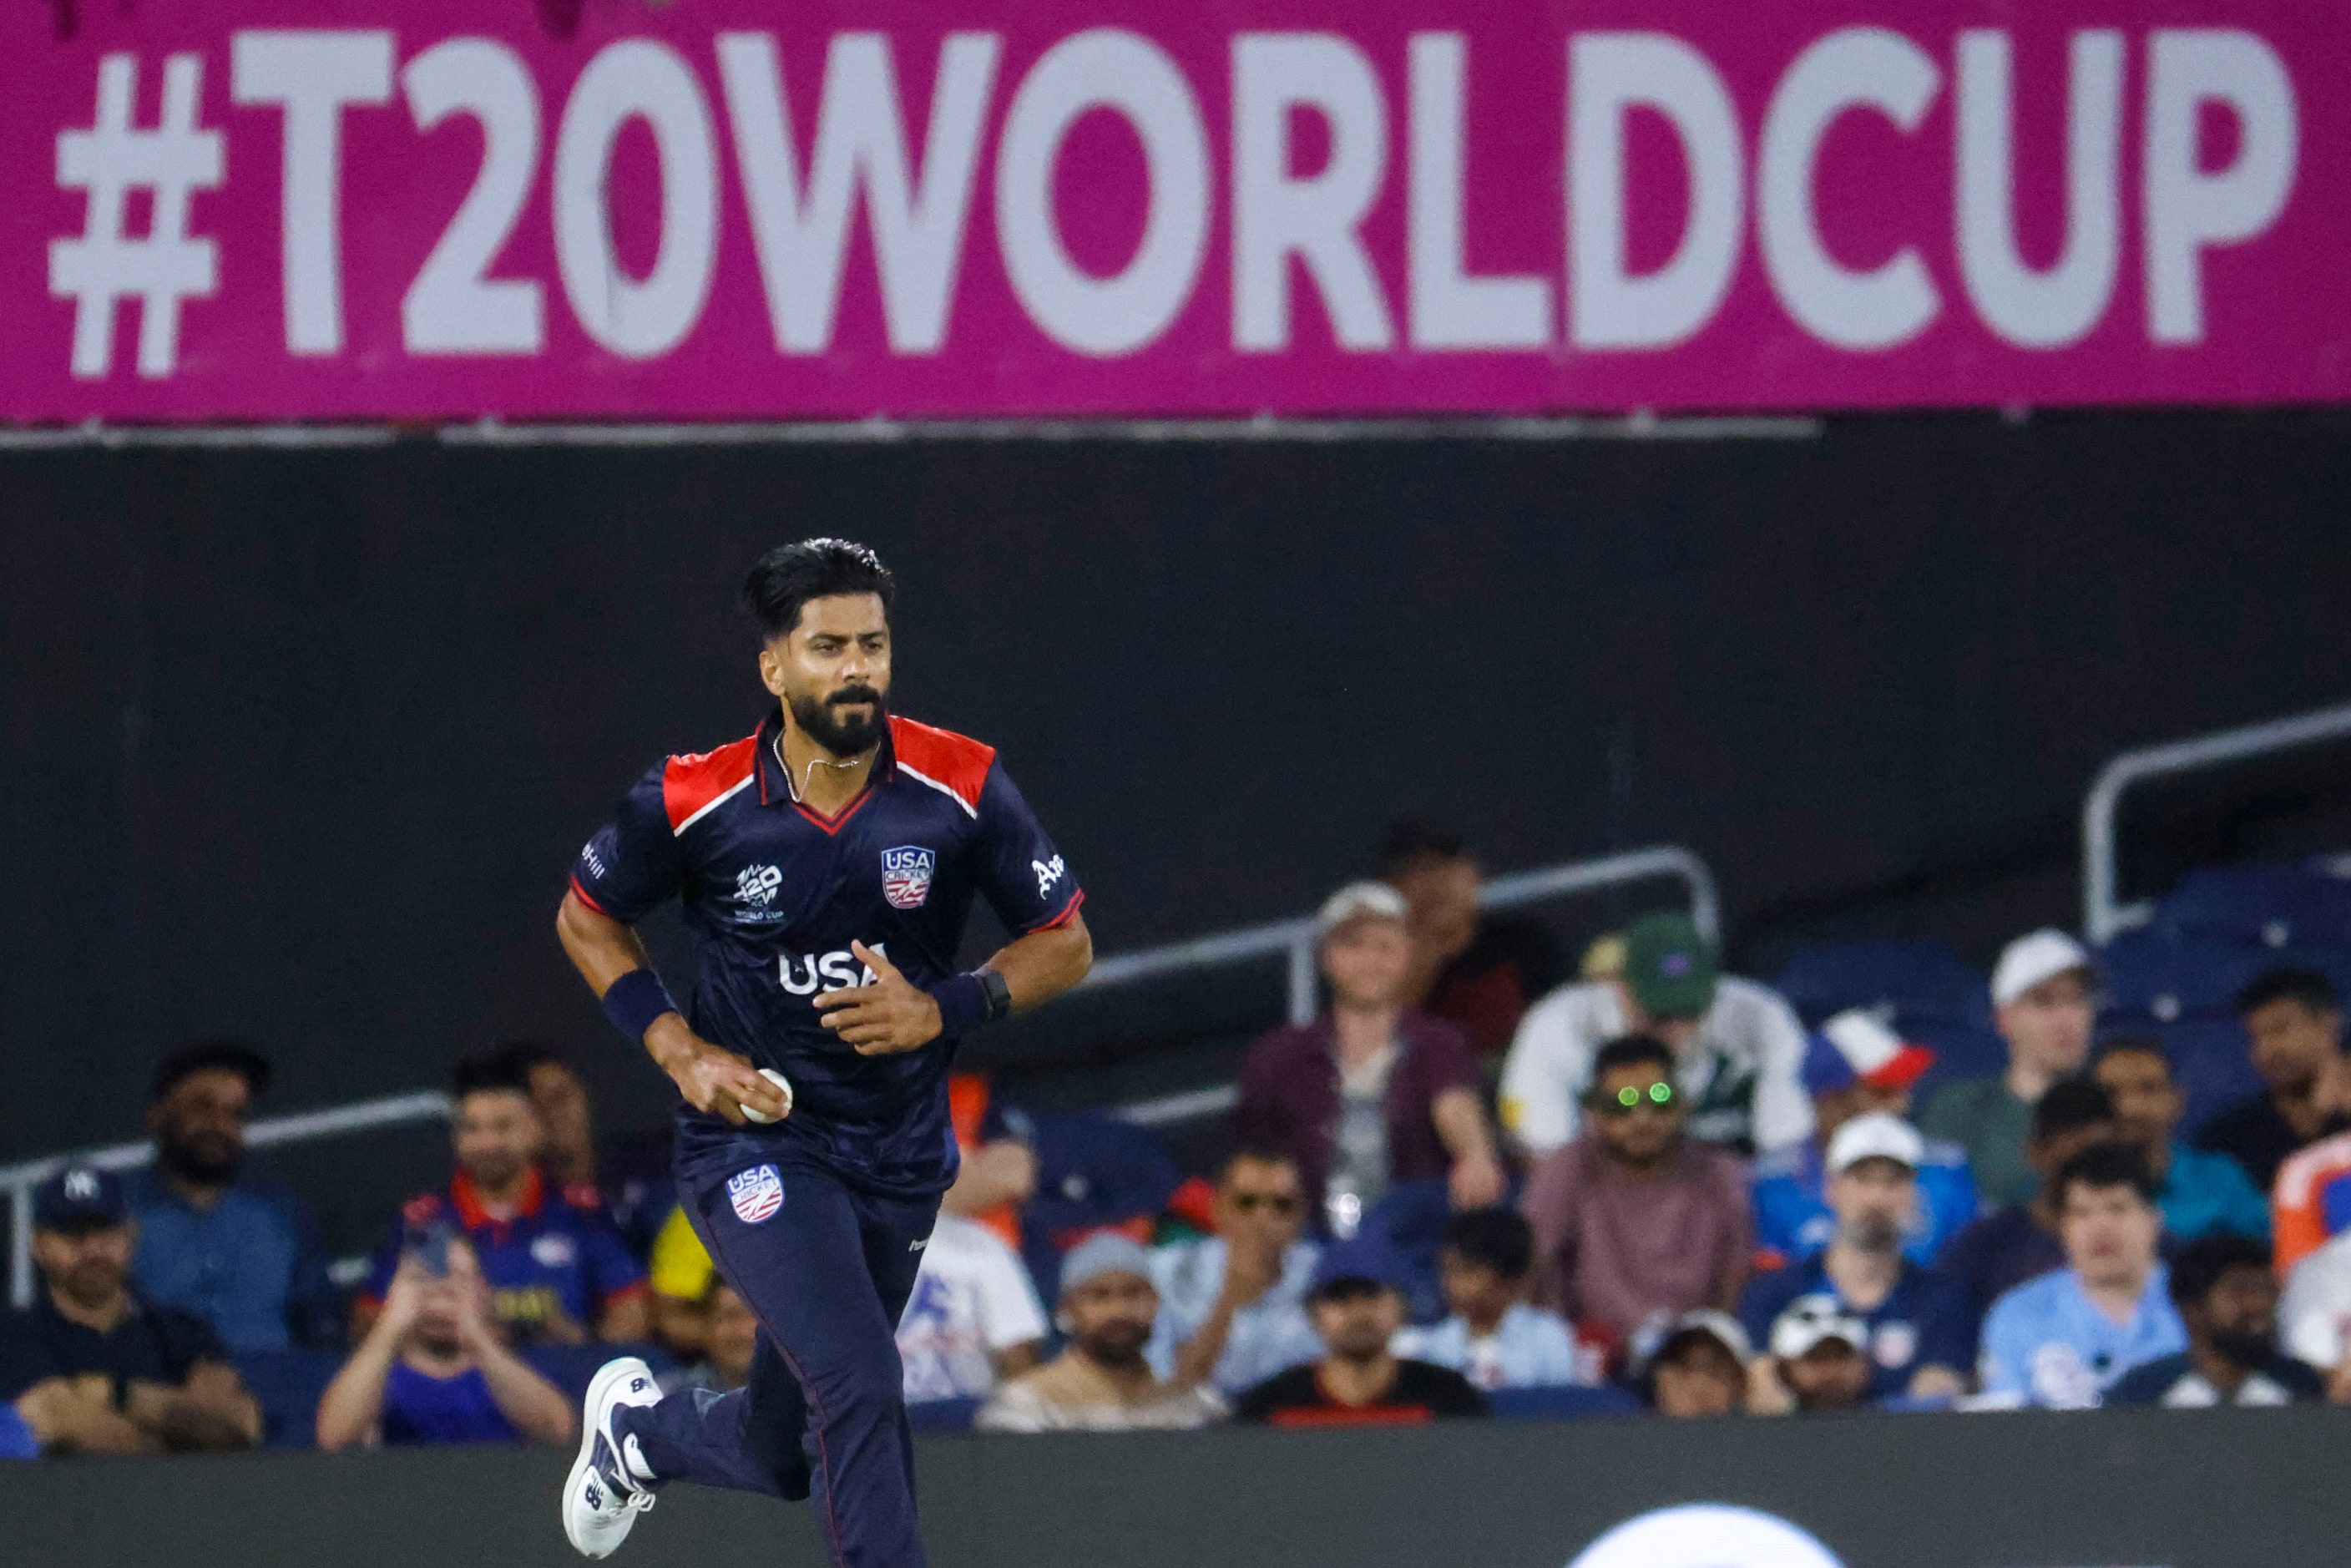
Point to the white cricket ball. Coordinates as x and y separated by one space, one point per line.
783 1086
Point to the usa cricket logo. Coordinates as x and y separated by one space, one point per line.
907 875
756 1194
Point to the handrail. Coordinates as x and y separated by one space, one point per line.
1296 937
2102 915
1292 937
20 1180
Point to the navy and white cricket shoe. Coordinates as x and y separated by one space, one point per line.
610 1483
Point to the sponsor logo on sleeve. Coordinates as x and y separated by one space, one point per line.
1048 874
757 1194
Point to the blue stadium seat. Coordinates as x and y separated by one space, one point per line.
1561 1404
2153 972
289 1383
2273 906
950 1417
1412 1217
1922 983
1092 1173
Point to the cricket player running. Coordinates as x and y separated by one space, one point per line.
827 864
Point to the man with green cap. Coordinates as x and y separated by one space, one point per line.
1740 1045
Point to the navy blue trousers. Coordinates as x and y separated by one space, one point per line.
824 1415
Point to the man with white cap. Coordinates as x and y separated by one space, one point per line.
1819 1362
1915 1322
1102 1382
1854 1065
2043 1006
1371 1093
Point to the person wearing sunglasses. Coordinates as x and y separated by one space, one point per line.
1232 1305
1634 1219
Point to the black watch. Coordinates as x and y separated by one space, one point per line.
998 993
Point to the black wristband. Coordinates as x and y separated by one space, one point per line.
999 994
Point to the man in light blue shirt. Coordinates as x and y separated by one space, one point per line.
1493 1337
1232 1305
2063 1340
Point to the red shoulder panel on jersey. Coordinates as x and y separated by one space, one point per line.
952 764
692 785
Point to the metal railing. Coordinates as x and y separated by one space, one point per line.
1293 938
2103 913
20 1180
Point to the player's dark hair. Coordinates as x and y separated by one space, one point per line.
1632 1050
1408 843
489 1072
221 1055
2313 992
2069 1105
2134 1045
786 578
2198 1265
2103 1165
1498 1238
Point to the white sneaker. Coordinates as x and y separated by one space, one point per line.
608 1488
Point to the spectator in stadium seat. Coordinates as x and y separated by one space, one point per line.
1357 1302
214 1242
727 1337
433 1367
1856 1066
632 1177
1477 971
1100 1382
1738 1051
1232 1305
2002 1250
2293 1029
2226 1294
91 1367
1371 1093
1819 1362
974 1319
1484 1263
1915 1326
2042 1005
1634 1219
2063 1340
557 1272
999 1172
2315 1313
1695 1367
2201 1193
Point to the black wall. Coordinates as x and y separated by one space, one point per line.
301 743
2219 1488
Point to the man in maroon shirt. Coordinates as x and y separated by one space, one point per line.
1369 1095
1633 1220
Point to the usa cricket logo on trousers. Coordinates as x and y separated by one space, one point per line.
757 1194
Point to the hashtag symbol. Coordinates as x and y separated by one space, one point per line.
109 162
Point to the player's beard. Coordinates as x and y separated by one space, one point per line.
821 722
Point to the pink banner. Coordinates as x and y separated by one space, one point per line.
429 209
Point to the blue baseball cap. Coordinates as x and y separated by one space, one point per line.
79 1197
1362 1257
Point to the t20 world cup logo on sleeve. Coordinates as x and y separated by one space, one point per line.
907 875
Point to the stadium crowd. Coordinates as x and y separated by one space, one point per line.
1475 1184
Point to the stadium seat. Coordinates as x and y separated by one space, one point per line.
2272 906
289 1383
1561 1404
1092 1173
1412 1218
1920 983
948 1417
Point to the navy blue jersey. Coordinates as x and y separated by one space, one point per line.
774 893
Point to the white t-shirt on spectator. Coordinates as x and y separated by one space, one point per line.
1529 1348
971 1300
1744 1074
2315 1314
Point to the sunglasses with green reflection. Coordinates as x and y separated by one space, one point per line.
1657 1097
